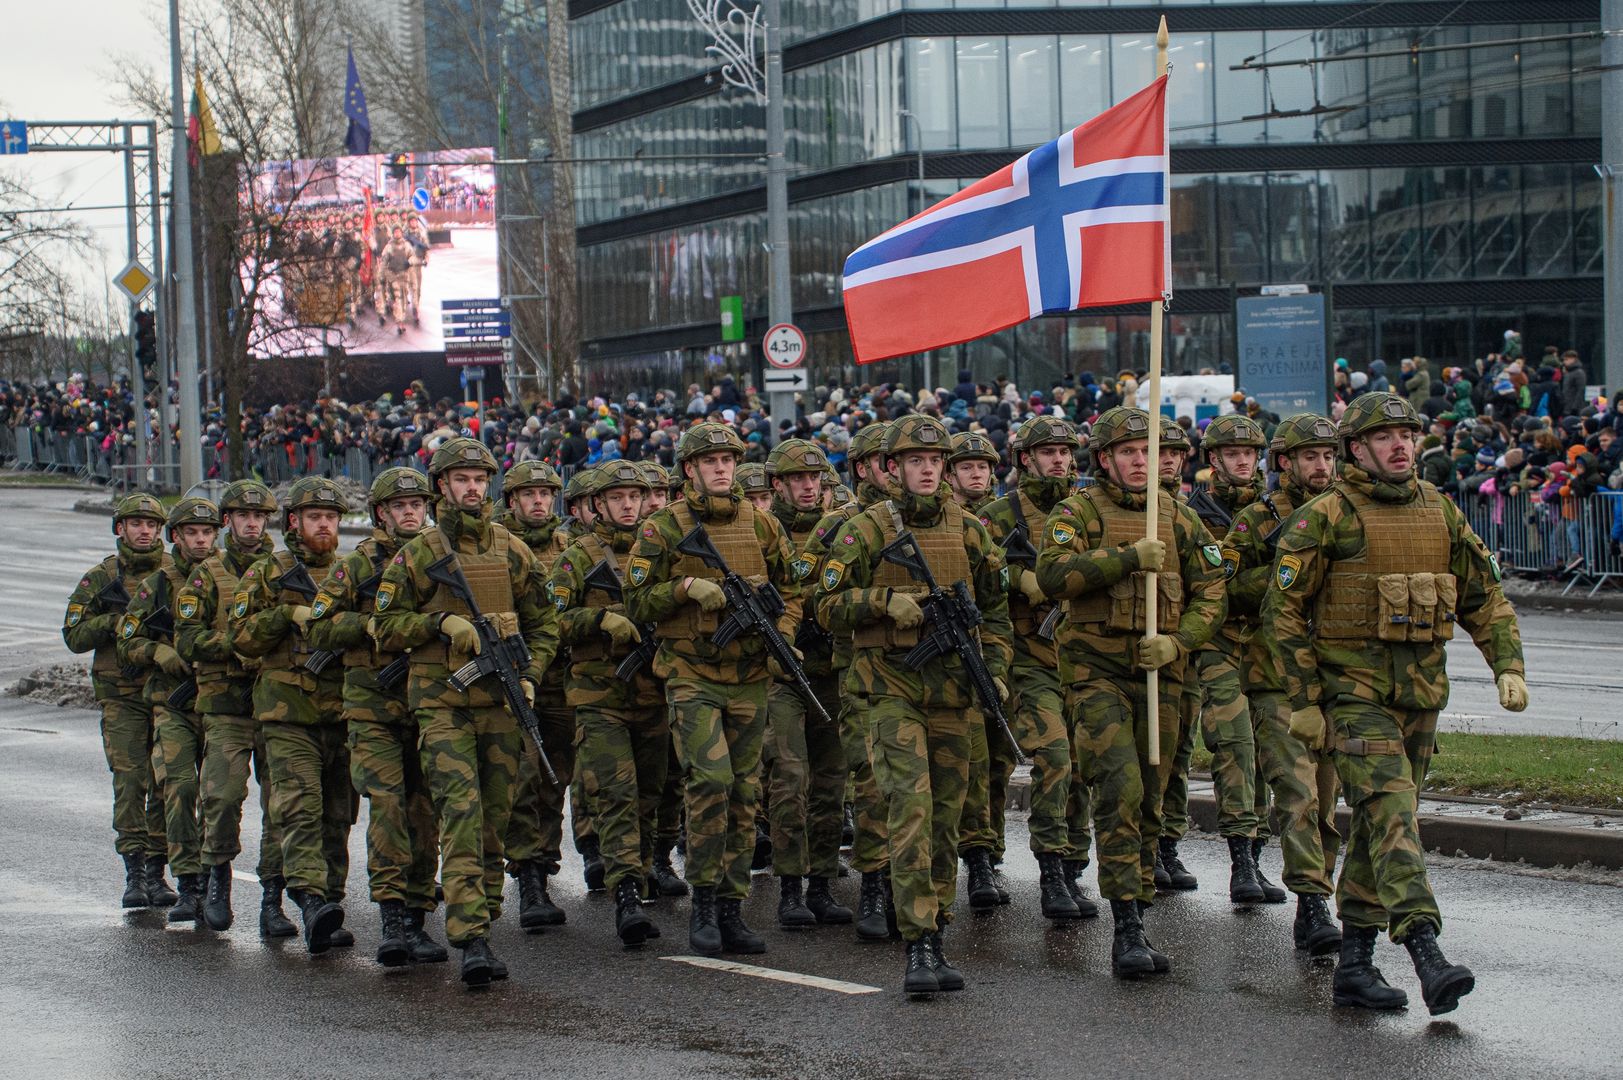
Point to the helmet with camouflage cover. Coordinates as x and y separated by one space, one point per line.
616 474
916 432
247 495
752 475
795 456
190 511
1231 429
462 453
655 474
138 505
841 495
1299 431
1371 412
1173 436
706 437
1120 424
398 482
868 441
971 446
1042 431
580 483
315 493
530 474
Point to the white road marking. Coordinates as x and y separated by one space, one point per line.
817 982
1564 645
249 878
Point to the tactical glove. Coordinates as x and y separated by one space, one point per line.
1157 651
169 660
707 594
529 691
1150 552
1002 690
1512 692
620 629
463 637
776 668
1307 726
904 611
1033 592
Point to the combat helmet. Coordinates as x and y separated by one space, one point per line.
867 442
1120 424
580 483
462 453
616 474
1173 436
971 446
1043 431
1296 432
190 511
138 505
1370 412
916 432
752 476
247 495
705 437
398 482
530 474
1231 429
796 456
655 474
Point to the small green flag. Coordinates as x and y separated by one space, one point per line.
732 318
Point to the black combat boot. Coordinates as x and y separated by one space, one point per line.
1129 955
1441 984
1163 880
1056 894
217 904
424 949
189 900
135 880
478 965
1178 876
159 894
536 911
983 891
1357 980
393 948
736 936
1085 905
341 938
948 976
704 936
1162 962
666 881
919 976
871 907
591 856
1271 893
829 911
761 861
1243 885
320 919
793 914
848 827
272 923
1313 929
629 920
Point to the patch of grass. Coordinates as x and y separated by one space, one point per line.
41 479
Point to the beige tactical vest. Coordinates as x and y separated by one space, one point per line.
600 646
288 658
490 579
215 676
740 549
1400 588
942 547
365 655
104 661
1028 620
1120 608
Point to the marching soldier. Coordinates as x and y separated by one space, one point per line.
91 625
971 470
665 880
535 833
402 842
659 482
469 740
578 505
1096 556
1170 872
806 799
717 694
1303 778
919 721
757 488
301 710
624 740
1384 566
232 737
146 639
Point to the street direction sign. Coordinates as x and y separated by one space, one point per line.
492 304
785 382
785 346
420 200
135 280
13 137
487 357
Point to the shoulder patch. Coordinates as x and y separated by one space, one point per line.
560 597
84 583
127 626
566 565
76 613
186 605
400 559
241 608
338 574
1212 554
1231 563
320 605
1061 532
648 531
833 572
850 538
638 569
1289 569
1493 562
385 596
801 568
1242 527
197 583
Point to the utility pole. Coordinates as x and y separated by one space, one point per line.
780 303
184 268
1611 153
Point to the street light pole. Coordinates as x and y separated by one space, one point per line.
183 267
780 302
918 128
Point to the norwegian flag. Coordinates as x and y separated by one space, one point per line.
1078 222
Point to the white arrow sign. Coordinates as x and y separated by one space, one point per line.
785 381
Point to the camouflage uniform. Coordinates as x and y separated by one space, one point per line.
580 815
919 722
90 624
470 742
716 695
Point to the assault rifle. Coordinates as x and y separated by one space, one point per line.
392 674
113 598
949 616
753 610
1209 510
603 578
162 621
502 657
297 579
1018 551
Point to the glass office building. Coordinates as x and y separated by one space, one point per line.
1442 194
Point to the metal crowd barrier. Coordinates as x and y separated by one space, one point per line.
1569 538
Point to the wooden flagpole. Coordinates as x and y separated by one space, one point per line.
1152 491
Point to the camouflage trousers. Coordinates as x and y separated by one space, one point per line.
313 801
1305 787
471 756
806 794
230 745
1038 719
402 837
177 757
126 740
1175 796
1111 725
868 811
670 799
980 826
1382 755
719 729
921 762
622 754
1225 723
536 829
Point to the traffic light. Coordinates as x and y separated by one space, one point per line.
397 165
146 345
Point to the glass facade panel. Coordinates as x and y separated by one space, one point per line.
1547 219
1132 64
1242 219
1445 247
1393 82
1498 220
1353 334
1397 335
1189 89
1346 224
1033 90
1289 89
1084 77
1239 93
1345 83
1546 96
1445 102
931 93
1394 223
1587 223
983 92
1194 230
1496 100
1293 212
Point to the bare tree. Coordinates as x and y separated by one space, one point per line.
38 296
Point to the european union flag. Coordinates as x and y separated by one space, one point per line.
358 140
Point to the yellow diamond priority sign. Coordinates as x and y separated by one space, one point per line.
134 279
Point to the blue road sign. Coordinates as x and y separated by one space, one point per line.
13 137
419 199
493 304
483 333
